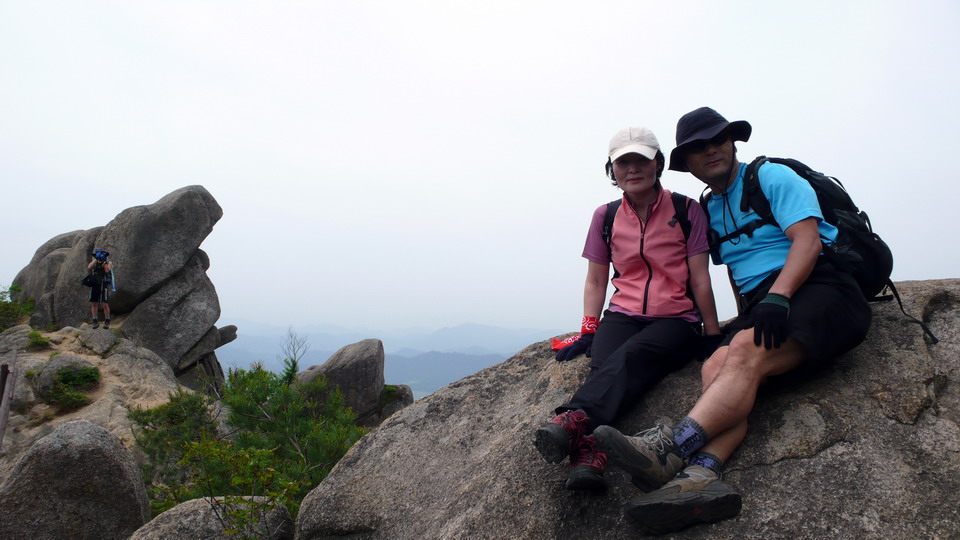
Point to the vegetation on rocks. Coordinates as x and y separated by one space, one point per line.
12 312
279 441
72 383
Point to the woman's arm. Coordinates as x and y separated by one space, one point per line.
91 263
703 292
595 289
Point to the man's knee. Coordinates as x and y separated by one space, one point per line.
746 357
742 354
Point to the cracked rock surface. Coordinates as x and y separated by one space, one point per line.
869 448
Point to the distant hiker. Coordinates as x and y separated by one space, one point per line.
102 269
799 314
663 301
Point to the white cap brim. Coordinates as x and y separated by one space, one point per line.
648 152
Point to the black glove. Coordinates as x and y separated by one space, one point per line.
770 321
708 344
582 345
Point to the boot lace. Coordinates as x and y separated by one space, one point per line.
589 453
656 438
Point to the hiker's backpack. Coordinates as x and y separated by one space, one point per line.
101 274
857 250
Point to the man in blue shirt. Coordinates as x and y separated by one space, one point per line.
799 313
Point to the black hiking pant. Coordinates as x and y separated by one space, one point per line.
629 356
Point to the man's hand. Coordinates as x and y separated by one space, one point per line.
770 321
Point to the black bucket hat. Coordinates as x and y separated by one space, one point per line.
704 124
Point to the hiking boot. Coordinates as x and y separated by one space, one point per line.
651 457
696 495
106 324
558 438
588 463
95 324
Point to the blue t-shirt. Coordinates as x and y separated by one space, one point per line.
752 259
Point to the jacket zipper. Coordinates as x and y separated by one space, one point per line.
646 287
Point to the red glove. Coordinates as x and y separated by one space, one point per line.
587 326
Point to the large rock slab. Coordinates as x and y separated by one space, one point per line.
868 449
79 482
152 243
201 518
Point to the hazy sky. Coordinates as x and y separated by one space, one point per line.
393 164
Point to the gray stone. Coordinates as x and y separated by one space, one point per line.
14 338
869 448
201 518
403 398
173 319
98 340
205 376
206 345
227 334
79 482
357 369
153 243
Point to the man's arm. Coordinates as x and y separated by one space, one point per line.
805 247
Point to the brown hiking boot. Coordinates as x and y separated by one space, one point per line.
558 438
588 463
651 457
696 495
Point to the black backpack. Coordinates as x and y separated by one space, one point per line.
858 250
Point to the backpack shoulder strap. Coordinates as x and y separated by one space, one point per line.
753 196
608 217
681 205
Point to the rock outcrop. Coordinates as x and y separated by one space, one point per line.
199 519
78 482
164 300
130 377
870 448
357 370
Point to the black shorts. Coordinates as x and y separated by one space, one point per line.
100 294
829 315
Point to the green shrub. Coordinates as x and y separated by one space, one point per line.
12 311
54 353
163 432
283 442
66 399
36 340
83 378
68 393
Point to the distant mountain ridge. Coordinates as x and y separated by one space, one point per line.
424 360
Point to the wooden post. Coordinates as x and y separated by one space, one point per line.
8 378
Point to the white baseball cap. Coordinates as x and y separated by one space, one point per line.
634 140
